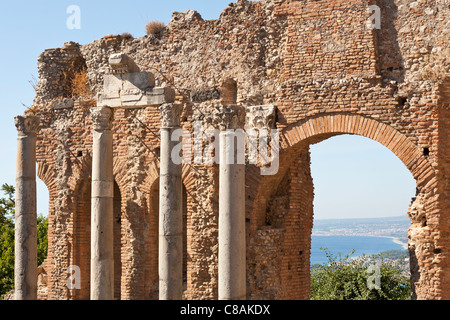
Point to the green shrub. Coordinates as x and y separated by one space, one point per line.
343 278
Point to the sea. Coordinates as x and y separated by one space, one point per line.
346 244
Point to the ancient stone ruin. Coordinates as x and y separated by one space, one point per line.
128 222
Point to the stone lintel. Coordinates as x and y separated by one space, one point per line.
128 87
128 81
136 98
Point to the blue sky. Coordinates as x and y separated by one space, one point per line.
353 176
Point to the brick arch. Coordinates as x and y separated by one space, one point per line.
300 135
120 175
152 173
315 129
294 175
82 170
47 174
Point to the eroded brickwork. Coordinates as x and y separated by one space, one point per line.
326 73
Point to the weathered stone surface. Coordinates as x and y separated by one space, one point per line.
128 81
232 242
63 104
228 117
122 93
170 115
102 118
205 95
170 209
27 124
261 117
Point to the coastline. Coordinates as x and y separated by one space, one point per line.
318 257
397 241
400 242
394 239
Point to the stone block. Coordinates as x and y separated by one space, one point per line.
128 81
133 90
62 104
205 95
136 98
112 82
141 80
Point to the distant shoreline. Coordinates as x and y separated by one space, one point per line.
397 241
394 239
400 242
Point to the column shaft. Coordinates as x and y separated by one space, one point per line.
25 267
102 213
232 243
170 223
232 246
170 209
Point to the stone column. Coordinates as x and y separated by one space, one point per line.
232 243
102 213
170 209
25 265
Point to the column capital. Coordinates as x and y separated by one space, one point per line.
170 115
27 124
229 117
102 118
261 117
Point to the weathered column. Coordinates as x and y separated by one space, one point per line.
170 209
25 265
102 213
232 244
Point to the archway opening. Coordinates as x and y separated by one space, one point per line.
285 207
354 167
362 193
43 198
42 204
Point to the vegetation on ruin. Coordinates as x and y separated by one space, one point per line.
80 86
343 278
74 80
155 28
7 205
127 36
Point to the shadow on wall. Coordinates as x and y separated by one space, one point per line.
390 59
415 274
